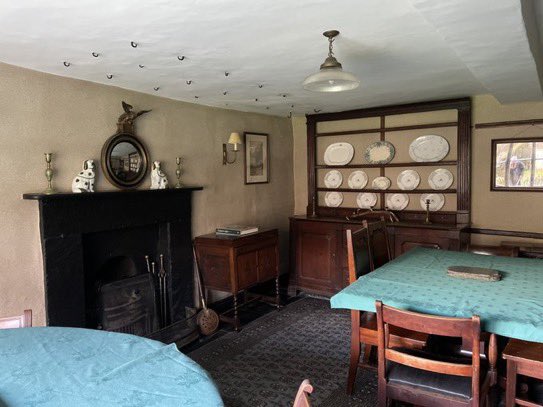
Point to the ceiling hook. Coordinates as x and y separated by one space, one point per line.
181 58
260 86
226 73
196 97
156 88
189 82
256 99
66 64
225 93
141 66
109 76
284 95
317 110
133 44
95 54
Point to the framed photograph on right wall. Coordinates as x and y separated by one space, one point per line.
257 167
517 164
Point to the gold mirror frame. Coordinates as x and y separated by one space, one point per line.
109 145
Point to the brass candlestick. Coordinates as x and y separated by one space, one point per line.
178 172
49 175
427 220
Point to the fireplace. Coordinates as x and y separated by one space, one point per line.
119 261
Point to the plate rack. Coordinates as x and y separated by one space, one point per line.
460 166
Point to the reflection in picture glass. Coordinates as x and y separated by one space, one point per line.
519 165
256 165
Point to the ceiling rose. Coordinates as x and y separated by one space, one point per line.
331 77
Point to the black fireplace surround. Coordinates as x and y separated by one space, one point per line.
94 247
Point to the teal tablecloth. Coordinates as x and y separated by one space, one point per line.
418 281
80 367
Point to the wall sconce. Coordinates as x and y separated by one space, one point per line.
235 140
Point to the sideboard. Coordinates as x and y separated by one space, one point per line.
318 254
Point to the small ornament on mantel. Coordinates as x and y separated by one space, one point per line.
84 181
178 172
158 178
49 175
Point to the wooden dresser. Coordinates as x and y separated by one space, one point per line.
318 254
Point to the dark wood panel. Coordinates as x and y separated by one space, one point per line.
508 123
247 265
461 103
409 164
267 263
383 129
499 232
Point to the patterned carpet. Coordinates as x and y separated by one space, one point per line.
264 364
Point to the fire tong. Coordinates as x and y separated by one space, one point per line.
159 277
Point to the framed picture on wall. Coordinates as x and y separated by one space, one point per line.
517 164
257 164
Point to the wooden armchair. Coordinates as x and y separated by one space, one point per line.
364 255
427 379
18 321
302 397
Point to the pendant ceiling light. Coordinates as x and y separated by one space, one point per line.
331 77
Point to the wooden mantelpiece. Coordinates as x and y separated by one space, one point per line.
80 232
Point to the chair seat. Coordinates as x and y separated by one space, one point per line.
446 385
398 336
437 383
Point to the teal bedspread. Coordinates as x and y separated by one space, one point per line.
82 367
418 281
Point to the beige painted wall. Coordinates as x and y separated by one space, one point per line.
520 211
72 119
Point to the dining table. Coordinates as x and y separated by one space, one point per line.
57 366
418 281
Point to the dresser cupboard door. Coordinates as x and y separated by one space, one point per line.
316 257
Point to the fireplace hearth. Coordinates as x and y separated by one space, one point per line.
96 272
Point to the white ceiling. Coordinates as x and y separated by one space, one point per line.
402 50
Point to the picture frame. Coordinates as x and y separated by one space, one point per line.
257 162
517 164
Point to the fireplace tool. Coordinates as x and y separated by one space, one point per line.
163 291
207 319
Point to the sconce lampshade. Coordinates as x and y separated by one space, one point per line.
234 139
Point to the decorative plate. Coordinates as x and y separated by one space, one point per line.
440 179
408 180
333 199
333 179
357 180
338 154
397 202
380 183
380 152
429 148
366 200
436 201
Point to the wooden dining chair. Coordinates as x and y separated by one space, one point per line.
381 252
302 397
507 251
18 321
423 378
361 261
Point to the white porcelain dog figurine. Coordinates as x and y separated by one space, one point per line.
84 181
158 178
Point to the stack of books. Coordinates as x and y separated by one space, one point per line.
235 230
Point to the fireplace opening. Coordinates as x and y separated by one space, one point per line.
125 298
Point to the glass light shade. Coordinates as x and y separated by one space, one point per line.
234 139
331 80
